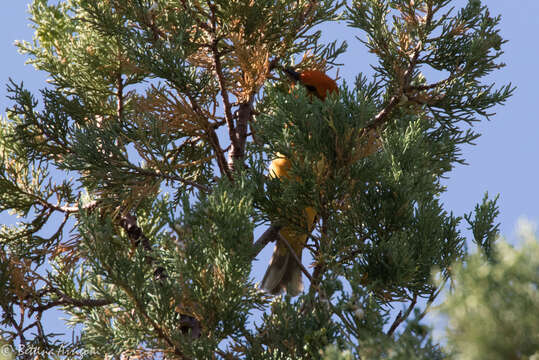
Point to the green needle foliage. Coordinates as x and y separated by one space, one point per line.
494 310
139 175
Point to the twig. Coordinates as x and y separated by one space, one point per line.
245 112
18 327
190 141
295 256
212 138
157 327
320 266
172 178
222 85
436 84
431 299
236 132
129 224
345 321
48 205
63 298
268 236
66 300
134 232
120 96
75 208
380 118
233 133
401 317
221 161
210 131
224 92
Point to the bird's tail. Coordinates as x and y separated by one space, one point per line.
283 273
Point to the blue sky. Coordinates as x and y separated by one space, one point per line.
504 160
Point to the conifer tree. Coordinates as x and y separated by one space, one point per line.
147 153
494 310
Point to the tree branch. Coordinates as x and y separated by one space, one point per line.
63 299
129 224
157 327
134 232
66 300
8 315
381 117
120 96
271 234
245 113
233 133
210 131
224 91
212 138
72 209
294 255
320 266
400 317
236 132
268 236
431 300
172 178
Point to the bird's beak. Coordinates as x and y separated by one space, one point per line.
292 74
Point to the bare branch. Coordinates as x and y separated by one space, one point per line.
66 300
268 236
271 234
75 209
120 96
295 256
224 91
401 317
8 315
218 67
431 299
245 113
212 138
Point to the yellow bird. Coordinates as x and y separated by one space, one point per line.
284 273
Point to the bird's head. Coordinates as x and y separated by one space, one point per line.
315 81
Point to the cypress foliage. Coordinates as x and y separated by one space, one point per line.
147 154
493 312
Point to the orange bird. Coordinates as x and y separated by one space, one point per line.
283 272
